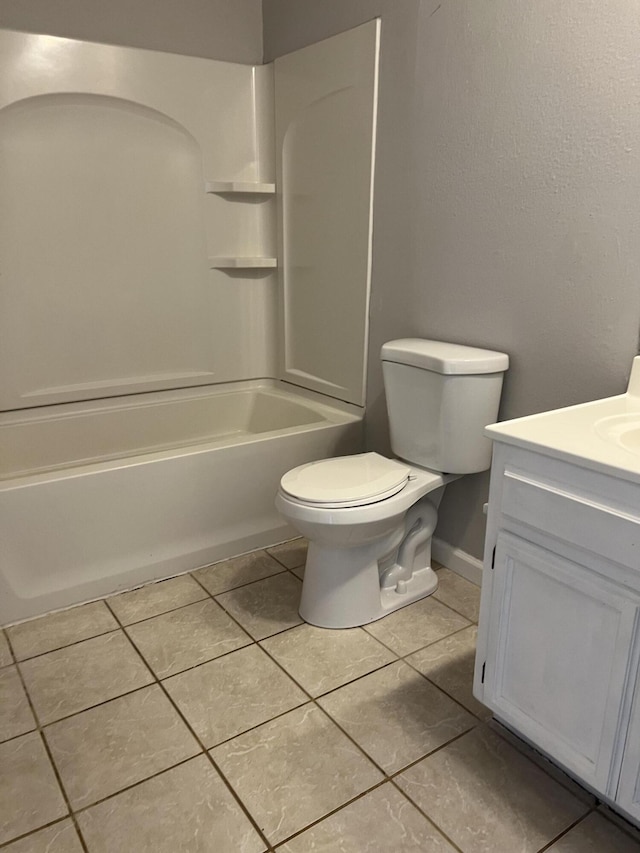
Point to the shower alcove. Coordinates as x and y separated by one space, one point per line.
184 282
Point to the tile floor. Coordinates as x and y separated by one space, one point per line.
200 714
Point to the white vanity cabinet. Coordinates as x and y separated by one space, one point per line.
558 643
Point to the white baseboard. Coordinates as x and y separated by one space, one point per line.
457 560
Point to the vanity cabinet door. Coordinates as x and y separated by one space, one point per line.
559 642
628 796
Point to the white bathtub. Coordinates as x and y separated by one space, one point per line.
104 496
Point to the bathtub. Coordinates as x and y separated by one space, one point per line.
104 496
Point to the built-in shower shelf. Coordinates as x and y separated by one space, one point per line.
242 263
246 187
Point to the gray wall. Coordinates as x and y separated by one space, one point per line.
230 30
507 193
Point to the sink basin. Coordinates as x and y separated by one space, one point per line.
624 430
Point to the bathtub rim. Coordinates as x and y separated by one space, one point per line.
330 411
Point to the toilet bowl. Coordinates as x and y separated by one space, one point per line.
370 519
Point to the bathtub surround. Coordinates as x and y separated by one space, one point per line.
253 750
168 276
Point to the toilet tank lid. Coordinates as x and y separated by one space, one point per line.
442 357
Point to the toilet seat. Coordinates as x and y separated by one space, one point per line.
346 481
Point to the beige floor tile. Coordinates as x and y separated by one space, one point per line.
227 696
188 808
458 593
382 821
265 607
415 626
291 554
85 674
59 838
15 714
449 664
237 572
155 598
60 629
6 657
299 572
123 742
321 660
595 834
396 715
294 770
186 637
29 793
488 798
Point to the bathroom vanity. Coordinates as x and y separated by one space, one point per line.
558 644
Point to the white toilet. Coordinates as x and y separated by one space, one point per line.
369 520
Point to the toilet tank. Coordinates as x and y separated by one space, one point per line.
440 396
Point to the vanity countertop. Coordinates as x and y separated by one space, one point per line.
603 435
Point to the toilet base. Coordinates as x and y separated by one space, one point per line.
358 599
349 587
422 583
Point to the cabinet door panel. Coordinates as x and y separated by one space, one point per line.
558 646
628 796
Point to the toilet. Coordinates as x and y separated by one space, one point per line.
369 519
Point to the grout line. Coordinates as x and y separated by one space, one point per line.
567 830
451 607
202 747
126 625
251 728
137 784
43 740
214 595
286 542
49 723
329 814
313 698
446 692
354 742
12 657
236 797
67 645
387 778
280 571
439 640
55 722
352 680
25 835
442 746
413 651
431 821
